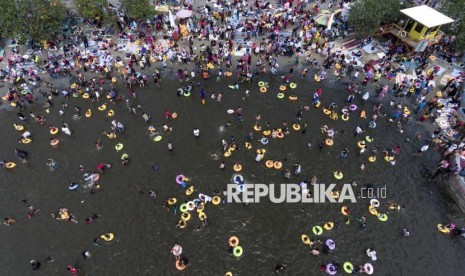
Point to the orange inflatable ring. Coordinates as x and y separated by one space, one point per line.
278 165
282 88
263 89
233 241
237 167
269 164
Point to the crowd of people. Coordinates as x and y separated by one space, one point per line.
238 41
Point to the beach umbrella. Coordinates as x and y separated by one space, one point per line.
322 19
184 14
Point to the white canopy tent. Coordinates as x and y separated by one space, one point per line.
427 16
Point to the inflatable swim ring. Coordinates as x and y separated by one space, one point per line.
280 95
53 130
329 142
443 229
282 87
190 190
172 201
266 132
248 145
292 85
345 210
264 141
85 95
102 107
183 207
372 158
328 225
269 164
10 165
382 217
237 167
18 127
292 98
345 117
216 200
257 128
261 84
280 135
190 206
88 113
73 186
202 216
374 202
361 144
372 124
306 239
373 210
54 142
182 224
185 216
237 252
348 267
278 165
180 178
368 268
233 241
26 140
157 138
296 126
326 111
317 230
352 107
119 147
108 237
338 175
369 139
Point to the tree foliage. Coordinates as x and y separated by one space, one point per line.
454 9
96 10
367 16
31 19
138 9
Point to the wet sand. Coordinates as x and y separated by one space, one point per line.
145 231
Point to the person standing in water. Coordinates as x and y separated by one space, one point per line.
170 146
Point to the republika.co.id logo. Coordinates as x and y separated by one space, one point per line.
289 193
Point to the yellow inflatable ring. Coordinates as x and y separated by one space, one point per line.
277 165
10 165
111 113
293 98
172 201
108 237
267 132
345 210
261 84
373 210
202 216
248 145
85 95
329 225
88 113
361 144
369 139
26 140
233 241
18 127
306 239
326 111
372 158
183 207
216 200
293 85
296 126
257 128
182 224
316 78
185 216
335 194
329 142
280 95
190 190
102 107
317 230
443 229
237 167
227 154
345 117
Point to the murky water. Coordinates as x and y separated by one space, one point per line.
145 231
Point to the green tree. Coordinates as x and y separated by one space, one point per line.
138 9
367 16
31 19
96 10
454 9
